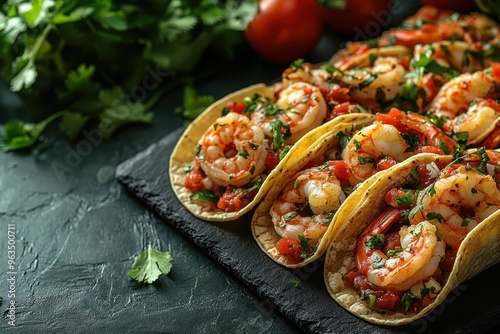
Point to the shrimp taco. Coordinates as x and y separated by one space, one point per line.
293 223
422 228
231 154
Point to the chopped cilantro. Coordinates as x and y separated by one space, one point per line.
206 196
243 153
367 82
407 301
434 215
377 241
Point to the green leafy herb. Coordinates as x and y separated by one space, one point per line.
407 301
406 199
110 61
243 153
343 139
365 160
255 186
377 241
295 283
280 132
434 215
370 297
205 196
367 82
378 263
417 230
149 265
305 247
394 252
194 104
296 64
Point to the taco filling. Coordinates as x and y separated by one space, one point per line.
406 254
304 209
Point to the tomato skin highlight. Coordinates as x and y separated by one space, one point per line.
284 30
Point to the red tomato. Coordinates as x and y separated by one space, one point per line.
237 107
363 18
284 30
290 249
463 6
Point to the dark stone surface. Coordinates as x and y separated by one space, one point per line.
472 306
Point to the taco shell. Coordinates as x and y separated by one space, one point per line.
478 251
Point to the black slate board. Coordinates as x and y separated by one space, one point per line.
473 307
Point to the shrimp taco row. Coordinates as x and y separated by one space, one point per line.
228 158
421 229
293 224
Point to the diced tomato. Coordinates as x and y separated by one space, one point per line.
495 69
340 109
493 139
386 163
340 169
389 118
290 249
237 107
429 149
338 95
389 299
405 62
272 160
193 180
447 263
392 241
232 200
391 197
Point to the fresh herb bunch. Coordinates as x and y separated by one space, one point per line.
80 60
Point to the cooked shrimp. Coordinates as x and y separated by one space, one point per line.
479 120
416 260
452 54
306 205
232 151
308 73
457 94
493 139
369 146
387 74
431 24
303 109
459 202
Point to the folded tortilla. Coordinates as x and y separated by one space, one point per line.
478 251
262 225
185 151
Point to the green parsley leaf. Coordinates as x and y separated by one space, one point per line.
278 135
434 215
149 265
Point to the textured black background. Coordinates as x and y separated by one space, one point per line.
79 231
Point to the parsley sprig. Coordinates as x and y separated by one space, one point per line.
107 61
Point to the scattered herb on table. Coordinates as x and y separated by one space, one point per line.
149 265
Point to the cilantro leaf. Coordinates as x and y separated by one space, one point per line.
149 265
72 123
194 104
18 135
128 112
